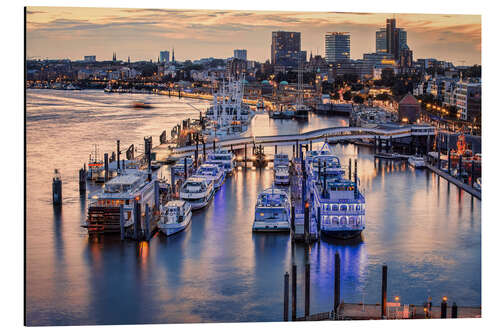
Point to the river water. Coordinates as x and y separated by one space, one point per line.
427 231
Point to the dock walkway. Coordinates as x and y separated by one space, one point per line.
469 189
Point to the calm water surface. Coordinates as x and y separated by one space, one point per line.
426 231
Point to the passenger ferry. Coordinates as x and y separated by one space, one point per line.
175 216
417 162
340 208
197 191
104 205
272 211
281 169
323 163
228 116
213 172
178 167
223 158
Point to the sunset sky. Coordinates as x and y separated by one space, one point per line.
65 32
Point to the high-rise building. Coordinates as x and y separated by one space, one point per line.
164 56
402 38
240 54
381 41
337 46
285 49
392 37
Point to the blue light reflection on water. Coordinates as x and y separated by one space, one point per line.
425 230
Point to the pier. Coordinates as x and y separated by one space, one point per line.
332 134
469 189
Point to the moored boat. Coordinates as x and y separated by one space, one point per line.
213 172
175 216
272 211
197 191
417 162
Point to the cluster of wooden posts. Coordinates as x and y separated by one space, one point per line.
338 311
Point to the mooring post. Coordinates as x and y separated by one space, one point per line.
196 154
297 147
275 149
117 155
460 166
185 168
306 222
106 167
245 156
56 189
449 161
310 145
122 222
294 292
336 295
204 152
293 223
157 195
350 165
82 182
214 145
383 302
285 296
472 173
454 310
307 290
137 219
293 149
146 226
444 307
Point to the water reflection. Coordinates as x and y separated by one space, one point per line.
217 269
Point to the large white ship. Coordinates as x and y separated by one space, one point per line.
228 116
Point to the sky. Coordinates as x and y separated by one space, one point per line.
73 32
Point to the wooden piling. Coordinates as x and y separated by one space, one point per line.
146 223
82 181
383 300
157 195
306 222
307 290
310 145
185 168
122 222
285 296
204 152
275 149
117 155
454 310
293 223
293 149
336 292
350 166
245 155
106 167
294 292
56 189
137 219
444 308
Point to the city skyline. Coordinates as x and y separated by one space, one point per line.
72 33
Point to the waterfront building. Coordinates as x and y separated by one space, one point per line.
240 54
409 109
337 46
285 49
164 56
468 100
396 38
375 60
90 58
381 41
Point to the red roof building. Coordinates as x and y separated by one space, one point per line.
409 109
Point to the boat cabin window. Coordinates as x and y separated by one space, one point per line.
335 220
343 207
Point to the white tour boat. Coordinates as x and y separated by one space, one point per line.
272 211
175 216
213 172
223 158
197 191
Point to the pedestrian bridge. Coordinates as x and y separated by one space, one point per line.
331 134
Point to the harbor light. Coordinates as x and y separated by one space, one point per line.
445 298
396 298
